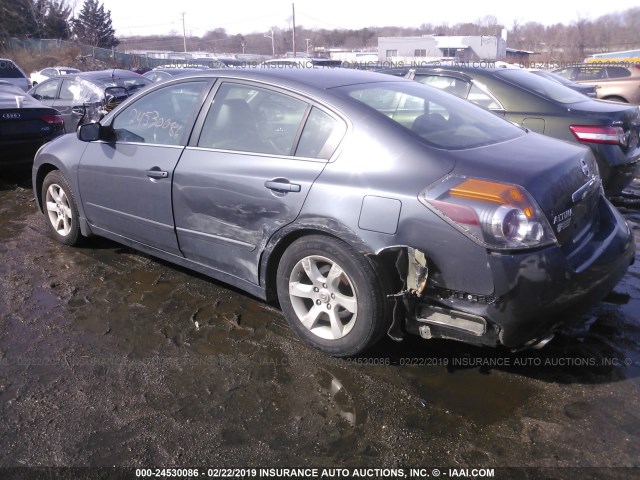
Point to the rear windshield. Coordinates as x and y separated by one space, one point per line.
553 76
541 86
9 70
438 118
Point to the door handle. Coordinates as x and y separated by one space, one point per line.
78 110
157 173
282 186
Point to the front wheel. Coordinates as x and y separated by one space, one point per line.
331 296
60 209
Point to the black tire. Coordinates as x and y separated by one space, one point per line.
359 314
60 209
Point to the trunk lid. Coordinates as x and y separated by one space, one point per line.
562 177
27 123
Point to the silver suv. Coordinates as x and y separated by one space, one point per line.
12 73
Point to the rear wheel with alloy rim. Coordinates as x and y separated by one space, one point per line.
331 296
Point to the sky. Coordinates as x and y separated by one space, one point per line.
161 17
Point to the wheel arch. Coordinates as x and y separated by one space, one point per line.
44 170
382 262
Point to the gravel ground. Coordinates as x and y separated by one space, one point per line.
112 358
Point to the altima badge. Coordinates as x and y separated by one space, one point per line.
562 220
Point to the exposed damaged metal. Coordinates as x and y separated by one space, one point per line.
412 312
411 265
447 294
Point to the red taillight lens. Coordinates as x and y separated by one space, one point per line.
55 121
493 214
598 134
52 119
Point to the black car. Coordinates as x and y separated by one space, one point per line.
364 203
25 125
610 129
588 90
87 96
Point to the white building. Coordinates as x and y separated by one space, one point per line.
437 47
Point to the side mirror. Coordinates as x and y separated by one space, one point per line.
89 132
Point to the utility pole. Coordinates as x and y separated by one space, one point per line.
273 45
184 33
308 40
293 9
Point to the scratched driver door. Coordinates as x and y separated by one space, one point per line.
125 183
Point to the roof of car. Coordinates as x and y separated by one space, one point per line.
321 78
462 69
112 73
63 67
177 69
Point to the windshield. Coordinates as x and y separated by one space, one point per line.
438 118
541 86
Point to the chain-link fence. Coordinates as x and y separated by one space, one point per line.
110 57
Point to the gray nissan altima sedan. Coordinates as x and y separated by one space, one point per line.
365 204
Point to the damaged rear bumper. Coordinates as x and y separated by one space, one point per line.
534 291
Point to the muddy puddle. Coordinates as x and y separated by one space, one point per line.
110 357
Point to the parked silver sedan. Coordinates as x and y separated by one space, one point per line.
86 97
363 203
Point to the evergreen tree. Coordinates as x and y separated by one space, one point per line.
34 18
56 20
16 18
93 26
